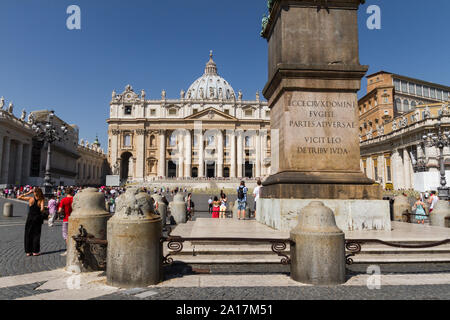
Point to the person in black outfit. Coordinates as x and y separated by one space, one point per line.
34 222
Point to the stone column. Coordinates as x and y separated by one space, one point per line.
6 154
162 153
140 154
1 156
233 154
240 153
181 154
398 171
258 154
188 155
201 156
263 151
19 162
407 167
220 154
114 147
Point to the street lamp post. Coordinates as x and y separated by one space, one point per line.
441 140
47 132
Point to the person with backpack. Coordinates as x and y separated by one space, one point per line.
242 200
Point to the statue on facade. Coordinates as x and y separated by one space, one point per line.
11 107
30 118
427 113
189 94
24 114
240 95
257 95
201 93
143 94
233 97
182 93
114 94
82 142
220 93
115 169
163 95
211 92
394 126
2 103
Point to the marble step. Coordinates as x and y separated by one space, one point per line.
274 259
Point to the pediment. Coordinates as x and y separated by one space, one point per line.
211 114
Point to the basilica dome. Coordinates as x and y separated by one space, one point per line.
210 86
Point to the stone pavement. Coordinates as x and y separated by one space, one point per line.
43 278
422 282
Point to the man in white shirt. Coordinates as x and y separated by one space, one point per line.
433 200
256 194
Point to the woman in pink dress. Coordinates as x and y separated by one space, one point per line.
216 208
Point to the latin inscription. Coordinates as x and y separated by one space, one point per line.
314 117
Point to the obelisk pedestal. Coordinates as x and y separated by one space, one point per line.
314 76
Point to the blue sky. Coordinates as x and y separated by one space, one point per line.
155 45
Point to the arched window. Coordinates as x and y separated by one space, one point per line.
152 141
398 105
413 105
405 105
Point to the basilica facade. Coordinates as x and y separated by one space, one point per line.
209 132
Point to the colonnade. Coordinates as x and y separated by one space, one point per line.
15 161
229 151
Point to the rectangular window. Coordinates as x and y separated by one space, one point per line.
249 113
397 84
153 112
426 92
404 87
419 90
445 96
412 88
128 110
172 112
433 93
194 111
267 114
388 169
127 140
226 111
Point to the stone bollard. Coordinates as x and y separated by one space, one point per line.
162 208
88 211
440 212
401 204
134 242
8 209
318 256
178 209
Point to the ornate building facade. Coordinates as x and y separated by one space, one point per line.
400 156
23 158
209 132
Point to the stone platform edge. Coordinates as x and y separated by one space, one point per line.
351 215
